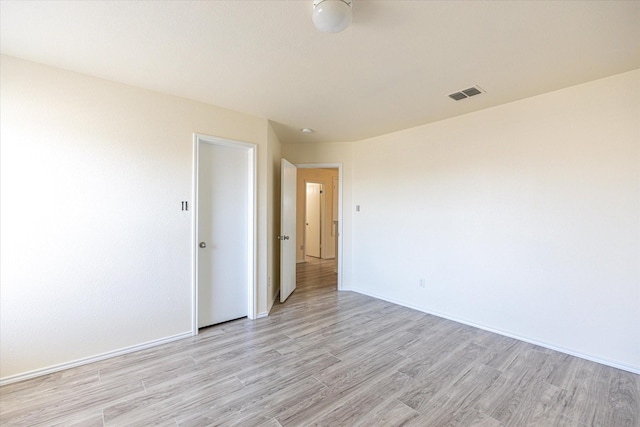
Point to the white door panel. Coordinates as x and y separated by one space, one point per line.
288 230
223 203
313 219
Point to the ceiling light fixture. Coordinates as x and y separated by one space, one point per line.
332 16
306 130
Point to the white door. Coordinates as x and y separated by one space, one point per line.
223 266
287 230
313 219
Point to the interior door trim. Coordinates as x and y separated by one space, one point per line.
251 216
340 222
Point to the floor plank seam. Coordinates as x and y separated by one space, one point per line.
320 381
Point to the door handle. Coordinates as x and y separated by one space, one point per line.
283 237
202 245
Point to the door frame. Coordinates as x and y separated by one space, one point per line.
251 222
322 213
340 222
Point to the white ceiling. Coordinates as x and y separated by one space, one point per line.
391 69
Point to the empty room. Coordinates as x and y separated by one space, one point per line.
320 212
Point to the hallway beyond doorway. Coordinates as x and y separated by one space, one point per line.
315 274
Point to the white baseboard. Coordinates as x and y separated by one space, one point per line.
632 369
87 360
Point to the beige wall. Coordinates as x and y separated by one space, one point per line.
322 176
96 253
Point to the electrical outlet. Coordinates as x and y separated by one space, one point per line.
422 283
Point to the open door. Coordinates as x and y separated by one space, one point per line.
313 220
287 235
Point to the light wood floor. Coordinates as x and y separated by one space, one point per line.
336 359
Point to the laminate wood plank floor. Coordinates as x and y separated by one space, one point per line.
329 358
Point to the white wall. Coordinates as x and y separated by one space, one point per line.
523 219
96 253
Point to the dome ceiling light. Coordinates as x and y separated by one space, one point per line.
332 16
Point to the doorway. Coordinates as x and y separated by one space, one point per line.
292 241
314 218
223 231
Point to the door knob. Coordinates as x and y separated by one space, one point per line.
202 245
283 237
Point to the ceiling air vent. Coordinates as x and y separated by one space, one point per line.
466 93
